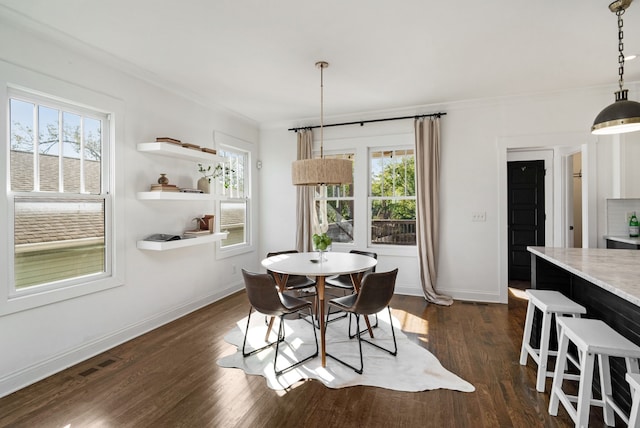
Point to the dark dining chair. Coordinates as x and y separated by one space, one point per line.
344 283
375 294
295 282
300 285
264 297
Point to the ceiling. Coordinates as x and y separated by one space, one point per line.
256 57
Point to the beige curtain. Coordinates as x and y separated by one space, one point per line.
304 196
427 134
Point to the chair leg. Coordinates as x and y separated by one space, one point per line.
244 341
297 363
358 334
395 344
352 336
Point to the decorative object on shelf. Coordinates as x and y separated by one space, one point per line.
162 237
204 184
163 179
191 146
623 115
322 244
209 173
164 188
209 219
189 190
168 140
195 232
319 171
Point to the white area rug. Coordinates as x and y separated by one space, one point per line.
413 369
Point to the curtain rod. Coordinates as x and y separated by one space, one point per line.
362 122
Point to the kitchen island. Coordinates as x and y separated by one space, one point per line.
606 282
622 242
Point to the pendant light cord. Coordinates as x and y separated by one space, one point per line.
619 13
322 66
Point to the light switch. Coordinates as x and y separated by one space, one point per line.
479 216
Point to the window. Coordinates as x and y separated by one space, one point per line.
59 193
392 197
234 210
337 201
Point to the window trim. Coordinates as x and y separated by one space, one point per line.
21 83
371 198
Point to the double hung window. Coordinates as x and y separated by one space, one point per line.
59 193
234 209
392 197
334 206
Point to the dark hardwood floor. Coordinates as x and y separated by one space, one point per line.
169 378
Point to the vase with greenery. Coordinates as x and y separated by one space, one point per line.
322 243
210 173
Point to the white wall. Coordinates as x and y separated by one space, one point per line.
157 286
475 138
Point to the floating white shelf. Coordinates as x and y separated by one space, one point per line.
176 151
179 196
181 243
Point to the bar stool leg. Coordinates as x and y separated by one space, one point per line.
584 390
632 365
543 355
558 375
634 421
634 415
605 389
526 336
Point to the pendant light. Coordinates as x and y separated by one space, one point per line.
623 115
321 171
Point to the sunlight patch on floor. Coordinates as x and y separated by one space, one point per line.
411 323
518 294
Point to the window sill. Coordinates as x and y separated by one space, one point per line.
33 299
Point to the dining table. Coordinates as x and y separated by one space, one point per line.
319 265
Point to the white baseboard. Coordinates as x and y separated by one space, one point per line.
411 290
29 375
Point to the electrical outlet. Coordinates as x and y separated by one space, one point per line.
233 269
479 216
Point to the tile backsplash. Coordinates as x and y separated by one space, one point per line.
617 210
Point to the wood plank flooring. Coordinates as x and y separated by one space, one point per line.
169 378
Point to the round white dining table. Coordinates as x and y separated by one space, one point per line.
310 264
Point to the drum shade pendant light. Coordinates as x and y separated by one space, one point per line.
623 115
313 172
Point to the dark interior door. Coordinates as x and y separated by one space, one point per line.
525 185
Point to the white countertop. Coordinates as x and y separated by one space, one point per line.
617 271
623 238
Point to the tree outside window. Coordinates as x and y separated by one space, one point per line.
392 197
338 202
59 201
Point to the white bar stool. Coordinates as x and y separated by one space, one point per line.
634 415
550 303
591 337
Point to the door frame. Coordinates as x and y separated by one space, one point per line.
532 143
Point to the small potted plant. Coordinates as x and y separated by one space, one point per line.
321 243
208 173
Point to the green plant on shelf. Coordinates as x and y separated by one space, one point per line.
219 171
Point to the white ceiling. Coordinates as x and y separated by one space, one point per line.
256 57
